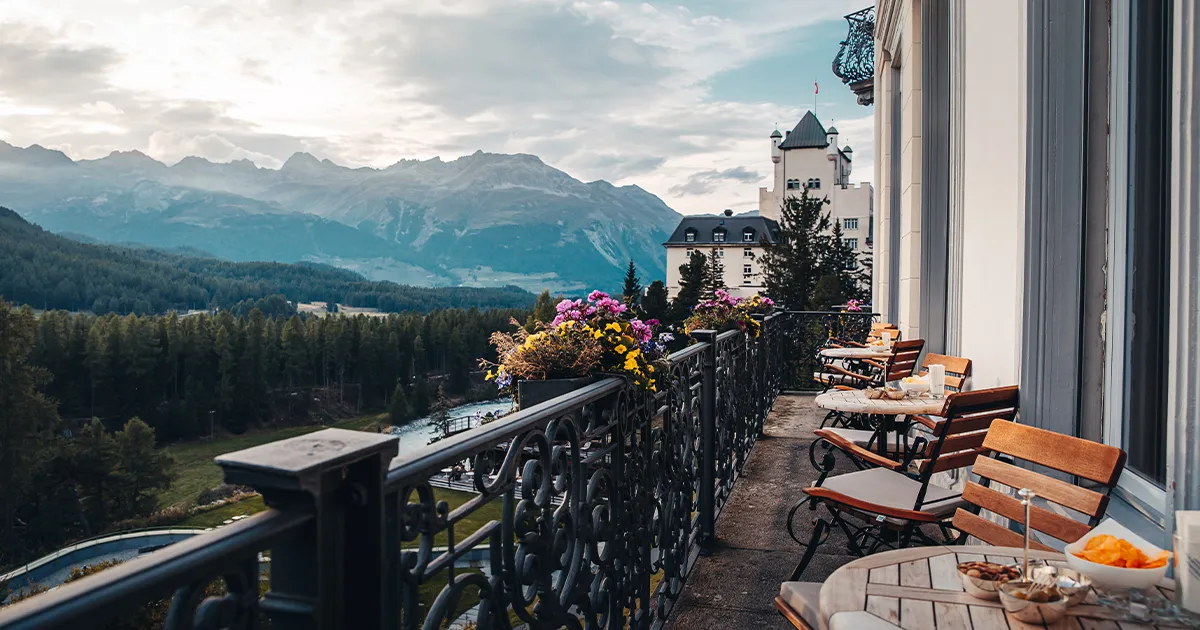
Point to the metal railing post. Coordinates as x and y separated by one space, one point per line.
762 397
332 574
708 438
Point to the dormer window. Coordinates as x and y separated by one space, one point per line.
719 235
689 236
793 184
748 235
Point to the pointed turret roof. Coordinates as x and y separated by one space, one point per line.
808 134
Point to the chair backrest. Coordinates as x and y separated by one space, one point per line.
958 435
904 359
877 329
958 369
1098 463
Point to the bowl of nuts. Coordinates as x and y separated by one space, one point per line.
983 579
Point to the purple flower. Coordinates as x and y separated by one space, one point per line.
653 322
666 337
596 296
640 330
564 306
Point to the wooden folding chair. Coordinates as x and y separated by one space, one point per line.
958 370
876 373
1098 463
875 334
884 507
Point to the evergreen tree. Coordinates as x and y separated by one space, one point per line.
458 362
420 357
440 412
655 305
295 351
143 469
828 293
543 310
632 292
841 263
27 418
94 463
691 283
794 263
420 397
714 275
399 411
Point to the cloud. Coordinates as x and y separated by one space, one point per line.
169 147
705 182
603 89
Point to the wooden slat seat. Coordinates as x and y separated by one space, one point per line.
1098 463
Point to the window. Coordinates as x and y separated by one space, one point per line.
720 253
690 235
849 224
748 252
793 184
689 251
747 269
719 235
748 235
851 243
814 183
746 279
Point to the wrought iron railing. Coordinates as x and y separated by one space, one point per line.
806 333
855 60
606 496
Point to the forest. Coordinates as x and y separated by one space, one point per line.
48 271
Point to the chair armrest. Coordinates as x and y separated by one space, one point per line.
875 364
872 508
837 369
854 450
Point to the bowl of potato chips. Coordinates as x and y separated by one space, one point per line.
1115 557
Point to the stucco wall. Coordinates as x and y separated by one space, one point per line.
994 192
733 260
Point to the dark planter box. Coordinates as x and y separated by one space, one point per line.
530 393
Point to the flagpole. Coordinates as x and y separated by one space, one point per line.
816 90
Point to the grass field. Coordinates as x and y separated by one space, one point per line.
196 472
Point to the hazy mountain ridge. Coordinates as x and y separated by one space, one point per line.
478 219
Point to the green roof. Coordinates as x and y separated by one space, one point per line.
808 134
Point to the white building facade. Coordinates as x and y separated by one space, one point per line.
736 241
1015 139
808 157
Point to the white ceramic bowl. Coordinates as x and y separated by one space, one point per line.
916 387
1105 577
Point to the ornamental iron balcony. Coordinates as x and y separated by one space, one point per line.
855 60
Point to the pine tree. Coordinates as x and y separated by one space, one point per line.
420 357
841 263
655 305
142 469
399 411
714 275
295 351
793 264
691 283
420 397
543 310
94 464
440 416
632 292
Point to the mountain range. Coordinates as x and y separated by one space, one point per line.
480 220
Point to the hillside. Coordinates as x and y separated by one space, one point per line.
480 220
53 272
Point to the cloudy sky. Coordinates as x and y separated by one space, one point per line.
677 97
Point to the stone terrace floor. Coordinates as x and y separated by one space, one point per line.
735 586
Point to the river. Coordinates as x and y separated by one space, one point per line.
417 433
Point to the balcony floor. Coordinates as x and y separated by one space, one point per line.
735 586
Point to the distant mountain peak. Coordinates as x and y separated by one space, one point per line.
301 160
34 155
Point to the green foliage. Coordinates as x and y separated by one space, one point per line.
48 271
632 291
655 304
808 248
399 411
714 275
691 285
142 468
543 310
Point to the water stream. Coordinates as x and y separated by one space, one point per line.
417 433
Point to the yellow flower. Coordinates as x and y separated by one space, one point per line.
613 326
631 364
650 368
620 349
598 334
490 375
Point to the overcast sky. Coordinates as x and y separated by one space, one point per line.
676 97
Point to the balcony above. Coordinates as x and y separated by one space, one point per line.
855 60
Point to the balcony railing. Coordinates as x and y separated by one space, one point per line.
807 332
606 497
855 60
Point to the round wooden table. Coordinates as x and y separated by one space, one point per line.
921 588
856 401
853 353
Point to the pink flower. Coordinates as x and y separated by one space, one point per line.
596 296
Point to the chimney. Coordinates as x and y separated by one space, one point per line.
728 212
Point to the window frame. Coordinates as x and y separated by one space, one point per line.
846 223
718 235
748 269
689 235
748 252
749 232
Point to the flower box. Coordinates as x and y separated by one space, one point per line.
536 392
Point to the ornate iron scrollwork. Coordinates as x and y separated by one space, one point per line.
855 60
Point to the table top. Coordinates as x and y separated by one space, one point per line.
856 401
853 353
921 588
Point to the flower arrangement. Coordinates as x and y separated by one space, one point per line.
725 312
853 306
759 305
598 334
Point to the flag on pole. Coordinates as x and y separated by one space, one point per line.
816 90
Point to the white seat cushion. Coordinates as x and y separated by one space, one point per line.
805 599
888 488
